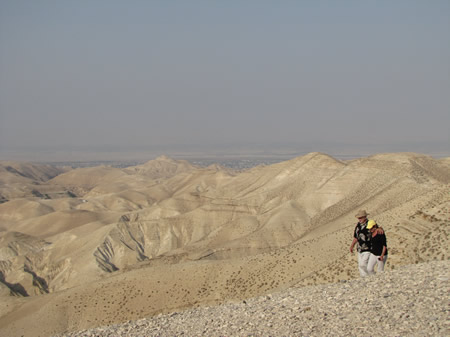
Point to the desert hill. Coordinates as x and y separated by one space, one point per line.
22 172
407 301
445 160
19 180
162 167
122 244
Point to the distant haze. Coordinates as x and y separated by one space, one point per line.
116 79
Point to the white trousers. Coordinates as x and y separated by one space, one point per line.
373 260
363 261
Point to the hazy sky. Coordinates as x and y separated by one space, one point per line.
190 75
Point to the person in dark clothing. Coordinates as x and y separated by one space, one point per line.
378 250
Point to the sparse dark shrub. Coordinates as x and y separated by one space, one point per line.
36 193
71 194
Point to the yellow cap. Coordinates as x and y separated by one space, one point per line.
370 224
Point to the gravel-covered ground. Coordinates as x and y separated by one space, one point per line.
411 301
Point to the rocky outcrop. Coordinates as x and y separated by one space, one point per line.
27 268
104 256
16 244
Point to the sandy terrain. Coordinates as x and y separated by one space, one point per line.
96 246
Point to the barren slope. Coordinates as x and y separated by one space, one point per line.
18 180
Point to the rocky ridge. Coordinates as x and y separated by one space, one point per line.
410 301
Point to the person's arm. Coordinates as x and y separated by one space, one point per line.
383 241
382 254
353 244
380 230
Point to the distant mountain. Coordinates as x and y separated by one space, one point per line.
26 172
23 179
162 167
